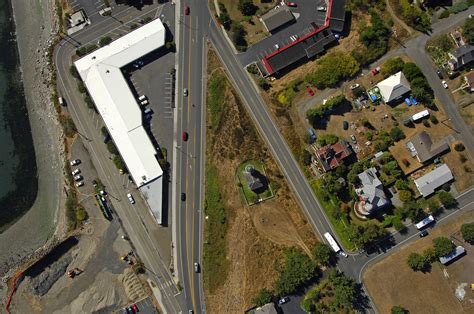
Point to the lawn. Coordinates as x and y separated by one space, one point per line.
249 196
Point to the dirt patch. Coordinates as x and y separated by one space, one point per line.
462 167
257 235
420 292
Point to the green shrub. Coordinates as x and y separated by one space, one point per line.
298 270
105 41
444 14
332 69
443 246
467 231
417 262
263 297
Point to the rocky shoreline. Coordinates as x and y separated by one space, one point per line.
40 229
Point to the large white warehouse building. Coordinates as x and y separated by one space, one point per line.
102 75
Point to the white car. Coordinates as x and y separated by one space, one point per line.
321 9
130 198
76 172
342 253
78 184
185 92
144 102
445 85
78 178
277 46
470 16
283 300
196 267
75 162
354 86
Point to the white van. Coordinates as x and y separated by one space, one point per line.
61 101
144 102
141 98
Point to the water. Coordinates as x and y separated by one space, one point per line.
18 175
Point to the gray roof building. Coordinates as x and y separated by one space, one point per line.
428 183
276 18
268 308
423 148
371 193
461 56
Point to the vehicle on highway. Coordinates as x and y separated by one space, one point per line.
75 172
75 162
79 184
354 86
186 10
375 71
196 267
445 84
185 92
310 90
135 308
130 198
291 4
78 177
185 136
283 300
423 234
440 74
353 139
321 9
183 196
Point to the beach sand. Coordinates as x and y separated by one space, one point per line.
34 26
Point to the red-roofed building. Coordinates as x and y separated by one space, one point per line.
331 156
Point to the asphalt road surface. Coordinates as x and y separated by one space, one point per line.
138 222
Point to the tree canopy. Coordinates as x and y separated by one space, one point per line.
446 199
298 270
345 290
417 262
467 231
247 8
323 254
263 297
397 309
392 66
468 30
443 246
332 68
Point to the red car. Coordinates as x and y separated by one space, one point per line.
291 4
376 71
310 91
185 136
135 308
186 10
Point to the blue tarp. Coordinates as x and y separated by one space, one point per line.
373 97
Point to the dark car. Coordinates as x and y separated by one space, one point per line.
440 74
183 196
186 10
185 136
423 234
283 300
345 125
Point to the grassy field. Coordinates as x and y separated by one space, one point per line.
391 282
217 85
215 248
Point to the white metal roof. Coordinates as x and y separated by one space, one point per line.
393 87
420 115
428 183
115 102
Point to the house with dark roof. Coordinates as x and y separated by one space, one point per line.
370 192
424 149
428 183
331 156
276 18
394 87
460 57
255 180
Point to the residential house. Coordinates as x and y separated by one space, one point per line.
268 308
330 157
424 149
428 183
255 180
394 87
370 192
460 57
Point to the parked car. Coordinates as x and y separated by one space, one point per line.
310 90
423 233
130 198
185 92
354 86
291 4
135 308
75 162
186 10
183 196
185 136
353 139
76 172
138 64
196 267
79 184
343 254
440 74
471 15
277 46
283 300
445 84
345 125
376 71
321 9
78 177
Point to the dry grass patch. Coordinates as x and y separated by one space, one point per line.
391 282
255 236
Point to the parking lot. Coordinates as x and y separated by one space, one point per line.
305 14
144 306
